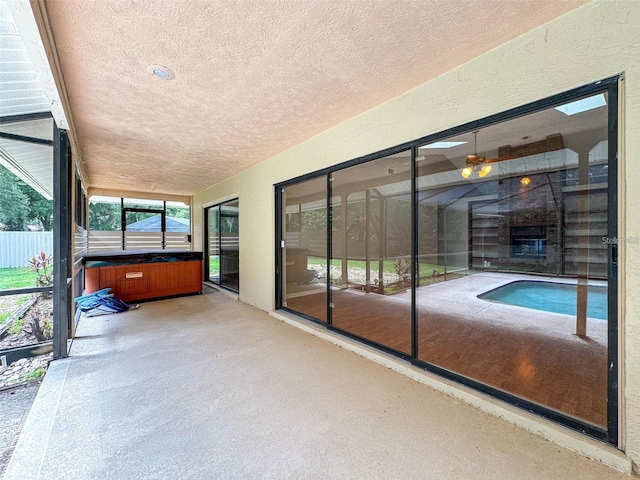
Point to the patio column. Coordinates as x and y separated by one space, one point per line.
61 242
582 252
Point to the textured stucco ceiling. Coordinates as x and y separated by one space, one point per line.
253 77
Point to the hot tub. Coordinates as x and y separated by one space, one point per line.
144 275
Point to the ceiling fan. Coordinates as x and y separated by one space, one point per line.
479 163
475 162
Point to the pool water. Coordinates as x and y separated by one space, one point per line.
549 297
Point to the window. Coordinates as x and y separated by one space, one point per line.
138 224
485 254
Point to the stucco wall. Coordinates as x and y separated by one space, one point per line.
593 42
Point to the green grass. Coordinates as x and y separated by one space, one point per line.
37 373
388 266
16 328
8 307
214 265
16 278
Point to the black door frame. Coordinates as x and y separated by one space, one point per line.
207 241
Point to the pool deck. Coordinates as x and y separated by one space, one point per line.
459 297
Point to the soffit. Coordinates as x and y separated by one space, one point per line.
252 78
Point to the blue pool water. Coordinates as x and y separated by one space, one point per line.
549 297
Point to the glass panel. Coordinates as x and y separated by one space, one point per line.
305 255
138 221
213 242
105 214
229 245
513 261
371 248
178 217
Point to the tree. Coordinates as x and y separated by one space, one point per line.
40 209
178 212
14 204
104 216
20 204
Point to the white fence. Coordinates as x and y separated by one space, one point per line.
16 248
106 241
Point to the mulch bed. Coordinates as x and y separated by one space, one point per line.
42 307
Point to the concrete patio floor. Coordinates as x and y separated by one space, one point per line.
207 387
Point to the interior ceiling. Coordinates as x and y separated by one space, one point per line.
252 78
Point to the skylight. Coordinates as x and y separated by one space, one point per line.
443 144
583 105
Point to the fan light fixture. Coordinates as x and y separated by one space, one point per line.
475 162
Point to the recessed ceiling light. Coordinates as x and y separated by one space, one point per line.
161 72
122 176
443 144
583 105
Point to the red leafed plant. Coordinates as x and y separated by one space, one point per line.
43 266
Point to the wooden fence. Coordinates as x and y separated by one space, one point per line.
16 248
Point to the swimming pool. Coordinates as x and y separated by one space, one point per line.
549 297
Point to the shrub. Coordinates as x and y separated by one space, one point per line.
41 325
43 266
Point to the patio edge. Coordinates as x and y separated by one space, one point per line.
29 454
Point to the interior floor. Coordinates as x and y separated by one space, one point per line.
529 353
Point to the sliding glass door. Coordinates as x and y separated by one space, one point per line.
371 251
521 302
487 254
304 251
222 244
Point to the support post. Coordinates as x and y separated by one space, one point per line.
61 242
582 252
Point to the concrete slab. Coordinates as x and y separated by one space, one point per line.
209 387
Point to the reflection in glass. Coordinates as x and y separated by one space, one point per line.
517 294
305 254
512 266
371 250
